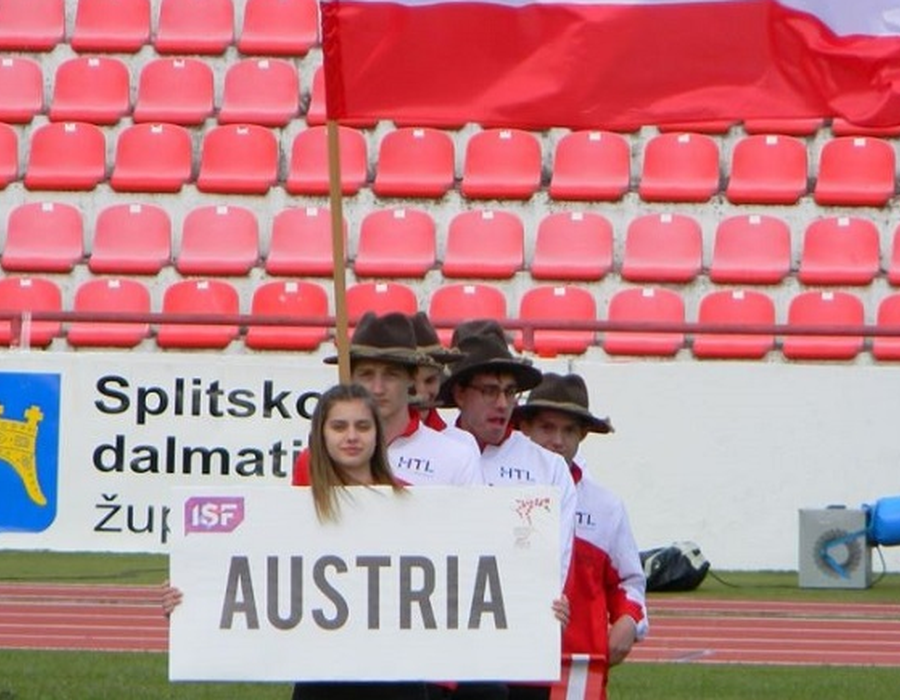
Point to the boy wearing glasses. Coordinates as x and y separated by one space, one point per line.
485 386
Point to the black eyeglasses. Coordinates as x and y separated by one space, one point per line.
491 392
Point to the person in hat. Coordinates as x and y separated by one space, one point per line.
383 359
484 385
428 376
606 586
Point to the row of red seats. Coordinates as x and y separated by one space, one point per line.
97 90
452 303
132 238
279 27
419 162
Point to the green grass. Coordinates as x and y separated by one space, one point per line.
65 675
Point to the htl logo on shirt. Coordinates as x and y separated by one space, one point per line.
516 474
419 465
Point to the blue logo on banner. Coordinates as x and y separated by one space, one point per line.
29 450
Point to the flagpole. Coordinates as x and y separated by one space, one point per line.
341 338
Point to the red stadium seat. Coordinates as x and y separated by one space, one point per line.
841 127
22 87
22 294
556 304
644 305
279 27
218 240
414 162
212 297
92 89
43 237
176 91
856 171
380 298
453 303
152 158
294 299
820 308
893 271
9 155
308 171
315 113
840 250
66 156
194 26
591 165
751 249
680 168
787 126
575 246
662 248
735 308
301 243
131 239
111 25
238 159
502 164
885 347
111 295
31 25
262 91
395 243
767 170
484 243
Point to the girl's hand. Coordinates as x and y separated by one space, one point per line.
171 598
561 610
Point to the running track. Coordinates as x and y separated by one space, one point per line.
684 628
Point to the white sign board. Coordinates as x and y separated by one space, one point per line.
438 583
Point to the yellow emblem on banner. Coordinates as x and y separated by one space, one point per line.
17 448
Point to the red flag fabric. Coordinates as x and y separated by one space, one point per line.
611 63
582 677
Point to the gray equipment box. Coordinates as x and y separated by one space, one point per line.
833 549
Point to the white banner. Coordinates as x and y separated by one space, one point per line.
92 443
439 583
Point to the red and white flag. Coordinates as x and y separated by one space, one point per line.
582 677
611 63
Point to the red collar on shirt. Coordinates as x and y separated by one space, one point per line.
412 426
434 421
576 472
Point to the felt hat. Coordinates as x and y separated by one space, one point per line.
485 348
428 343
567 394
389 338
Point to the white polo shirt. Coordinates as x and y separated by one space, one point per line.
422 456
518 460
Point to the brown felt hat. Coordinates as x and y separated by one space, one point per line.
485 348
428 343
567 394
389 338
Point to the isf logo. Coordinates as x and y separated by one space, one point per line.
213 513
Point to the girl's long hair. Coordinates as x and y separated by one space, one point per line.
326 479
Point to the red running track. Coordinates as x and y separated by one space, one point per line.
684 629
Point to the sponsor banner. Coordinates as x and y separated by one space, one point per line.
435 583
90 451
